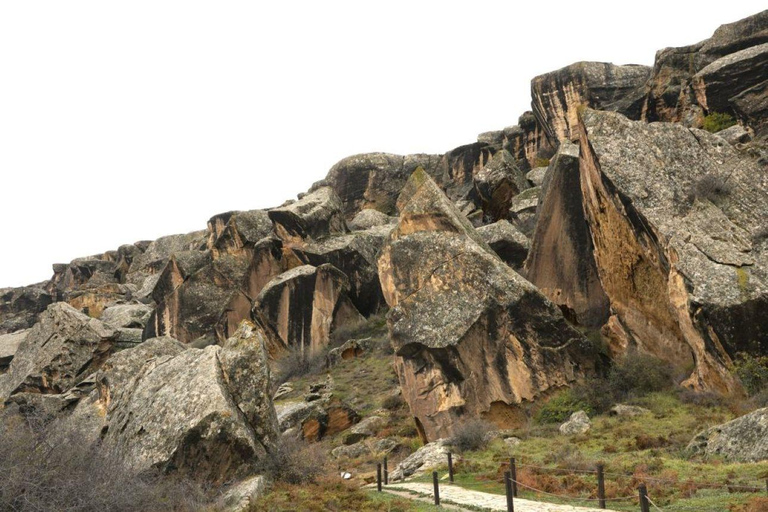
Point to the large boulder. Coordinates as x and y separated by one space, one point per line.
62 349
303 305
578 423
9 344
471 336
134 316
355 255
507 241
373 180
204 413
560 262
674 216
19 307
317 215
744 439
558 96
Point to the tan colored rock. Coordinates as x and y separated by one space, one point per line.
303 305
471 336
59 351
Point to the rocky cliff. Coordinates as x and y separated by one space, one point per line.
606 210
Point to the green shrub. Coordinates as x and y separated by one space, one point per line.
560 407
717 121
752 371
541 162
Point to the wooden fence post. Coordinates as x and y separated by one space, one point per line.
509 492
644 506
437 489
601 485
386 472
450 467
378 476
513 475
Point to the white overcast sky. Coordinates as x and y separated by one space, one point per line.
126 121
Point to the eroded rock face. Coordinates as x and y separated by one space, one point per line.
676 259
670 96
744 439
507 241
561 263
203 413
315 216
373 180
471 336
63 348
19 307
9 344
558 96
303 305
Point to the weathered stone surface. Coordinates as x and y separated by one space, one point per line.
522 210
331 419
209 293
558 96
292 414
316 216
736 134
241 496
560 261
496 184
190 411
355 255
623 410
578 423
422 460
669 96
506 241
471 336
303 305
537 175
527 141
717 83
233 231
368 427
744 439
349 350
156 254
680 270
370 218
64 347
9 344
751 106
374 180
19 307
133 316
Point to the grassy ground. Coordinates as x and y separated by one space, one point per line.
646 449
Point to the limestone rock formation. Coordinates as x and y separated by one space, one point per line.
744 439
315 216
9 344
471 336
369 218
303 305
63 348
677 255
133 316
560 262
422 460
558 96
19 307
677 85
506 241
205 413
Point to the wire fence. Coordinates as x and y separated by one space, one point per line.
642 497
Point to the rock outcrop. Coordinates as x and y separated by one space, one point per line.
558 96
313 217
62 349
673 250
578 423
471 336
506 241
303 305
9 344
204 413
725 73
19 307
744 439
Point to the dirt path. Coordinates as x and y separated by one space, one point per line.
483 500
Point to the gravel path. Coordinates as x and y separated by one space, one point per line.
483 500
